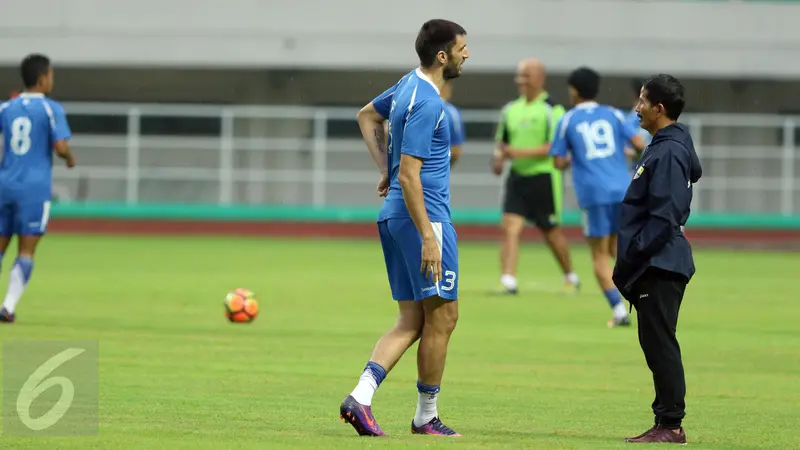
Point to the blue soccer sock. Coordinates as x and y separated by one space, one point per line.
20 275
613 297
426 404
371 378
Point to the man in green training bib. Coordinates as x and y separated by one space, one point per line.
533 186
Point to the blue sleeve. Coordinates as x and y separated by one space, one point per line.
419 129
59 128
669 194
559 145
383 102
457 135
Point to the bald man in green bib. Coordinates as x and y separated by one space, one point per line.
533 186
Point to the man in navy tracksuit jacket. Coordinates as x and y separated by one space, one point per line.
654 259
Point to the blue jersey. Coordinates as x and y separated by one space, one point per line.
595 135
457 134
418 127
30 124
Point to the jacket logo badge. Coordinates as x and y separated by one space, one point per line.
639 172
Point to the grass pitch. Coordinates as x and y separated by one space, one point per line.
539 370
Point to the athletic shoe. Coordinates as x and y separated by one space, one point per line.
360 417
6 316
435 428
623 322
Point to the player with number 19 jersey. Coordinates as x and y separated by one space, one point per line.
595 135
30 124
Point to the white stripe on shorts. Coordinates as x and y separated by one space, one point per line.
45 216
437 233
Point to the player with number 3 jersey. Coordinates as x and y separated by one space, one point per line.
32 126
592 138
418 240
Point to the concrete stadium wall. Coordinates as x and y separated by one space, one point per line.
691 38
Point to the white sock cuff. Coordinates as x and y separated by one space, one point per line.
508 281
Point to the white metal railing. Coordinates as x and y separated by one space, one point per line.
175 159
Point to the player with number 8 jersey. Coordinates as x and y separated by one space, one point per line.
32 126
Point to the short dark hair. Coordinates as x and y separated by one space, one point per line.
636 86
586 81
33 67
666 90
435 36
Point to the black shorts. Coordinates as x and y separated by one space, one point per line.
534 198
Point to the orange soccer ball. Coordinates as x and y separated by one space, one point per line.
241 306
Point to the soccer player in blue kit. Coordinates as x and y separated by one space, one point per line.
32 126
594 137
418 239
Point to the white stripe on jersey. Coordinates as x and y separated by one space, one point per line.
49 114
413 98
564 123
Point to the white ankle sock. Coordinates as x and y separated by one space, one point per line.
365 389
619 311
426 408
16 286
509 281
572 278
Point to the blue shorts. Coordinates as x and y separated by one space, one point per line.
24 217
402 250
601 220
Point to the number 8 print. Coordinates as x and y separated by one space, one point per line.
21 135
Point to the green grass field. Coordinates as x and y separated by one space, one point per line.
540 370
